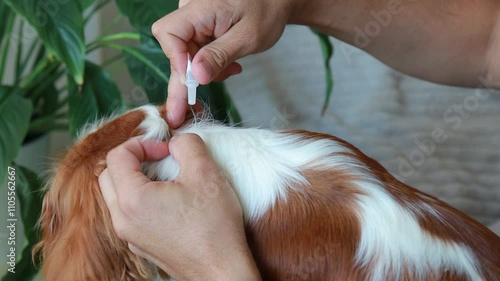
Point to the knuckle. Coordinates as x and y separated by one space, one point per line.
156 28
186 140
208 171
115 155
219 56
130 205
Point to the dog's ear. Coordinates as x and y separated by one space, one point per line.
78 242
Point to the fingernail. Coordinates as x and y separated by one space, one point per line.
208 68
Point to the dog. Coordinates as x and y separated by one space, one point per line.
315 208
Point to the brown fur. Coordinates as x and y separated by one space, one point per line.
313 235
78 241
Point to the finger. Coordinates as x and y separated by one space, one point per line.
232 69
213 58
173 32
176 101
183 3
109 194
124 163
193 157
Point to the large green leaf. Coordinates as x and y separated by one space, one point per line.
15 113
86 3
99 96
142 14
28 187
149 68
4 14
60 26
327 52
45 115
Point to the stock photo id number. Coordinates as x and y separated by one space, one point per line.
11 219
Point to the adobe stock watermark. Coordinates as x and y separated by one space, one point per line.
137 96
150 81
46 10
453 118
11 219
281 119
311 263
206 195
365 34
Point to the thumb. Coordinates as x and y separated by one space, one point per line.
213 58
194 160
124 162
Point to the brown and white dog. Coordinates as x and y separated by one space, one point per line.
315 207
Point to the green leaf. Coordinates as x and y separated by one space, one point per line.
50 100
15 114
98 97
86 3
60 27
149 68
44 116
327 52
28 191
6 42
5 11
142 14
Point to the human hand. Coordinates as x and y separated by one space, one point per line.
216 32
191 227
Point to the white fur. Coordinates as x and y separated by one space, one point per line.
262 165
258 162
392 239
153 125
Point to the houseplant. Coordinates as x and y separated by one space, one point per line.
57 88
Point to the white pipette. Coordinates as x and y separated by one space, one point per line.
191 83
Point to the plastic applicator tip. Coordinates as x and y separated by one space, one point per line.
191 83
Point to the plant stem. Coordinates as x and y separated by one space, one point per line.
6 39
25 62
138 56
63 102
20 46
96 8
45 83
39 67
118 36
62 115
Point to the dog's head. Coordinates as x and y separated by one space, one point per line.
78 242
